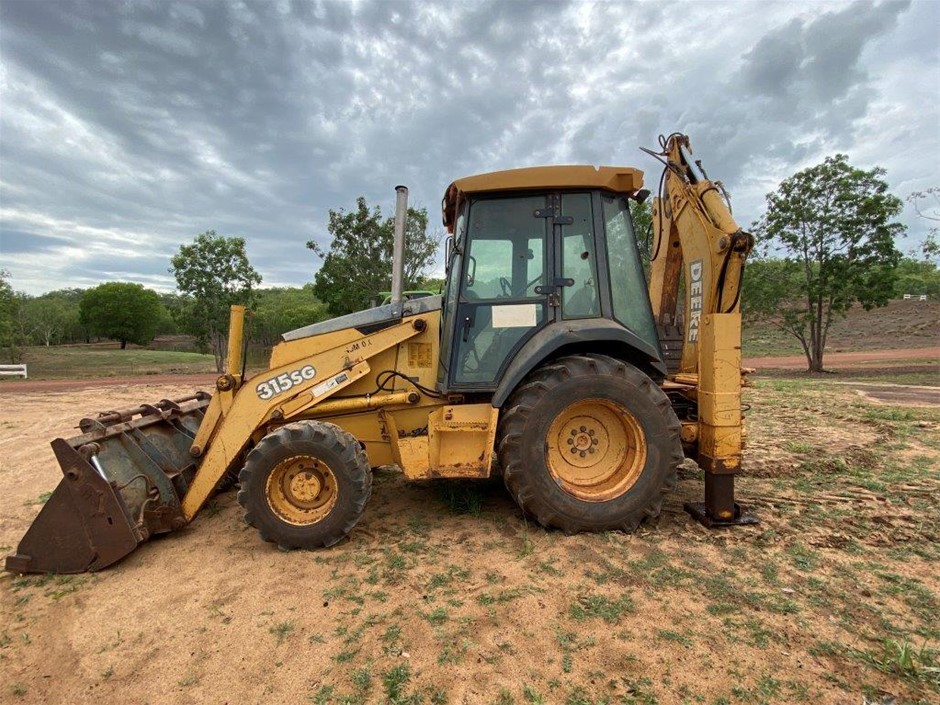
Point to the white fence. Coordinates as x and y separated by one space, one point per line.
13 371
919 297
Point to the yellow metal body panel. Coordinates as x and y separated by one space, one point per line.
411 455
620 179
368 429
458 443
460 440
236 331
226 385
719 393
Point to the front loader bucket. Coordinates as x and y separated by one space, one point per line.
123 480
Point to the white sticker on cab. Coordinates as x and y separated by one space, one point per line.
514 316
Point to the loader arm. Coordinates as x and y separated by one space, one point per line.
695 237
314 373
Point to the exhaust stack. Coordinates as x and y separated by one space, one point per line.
398 247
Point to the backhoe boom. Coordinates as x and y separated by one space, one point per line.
696 237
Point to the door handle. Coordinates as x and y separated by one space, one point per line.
557 283
466 329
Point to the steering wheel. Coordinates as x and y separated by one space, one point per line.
505 285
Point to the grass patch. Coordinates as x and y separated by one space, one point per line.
904 660
600 607
281 631
461 496
487 599
108 360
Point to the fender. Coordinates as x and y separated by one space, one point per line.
582 335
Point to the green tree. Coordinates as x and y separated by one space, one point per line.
122 311
358 264
642 214
74 331
214 272
917 277
279 310
11 342
768 281
432 284
834 222
52 318
927 205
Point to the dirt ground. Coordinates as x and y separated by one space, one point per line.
847 360
444 593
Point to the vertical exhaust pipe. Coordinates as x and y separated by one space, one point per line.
398 247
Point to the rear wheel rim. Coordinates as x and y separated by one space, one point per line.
596 450
301 490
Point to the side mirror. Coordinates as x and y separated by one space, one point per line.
641 195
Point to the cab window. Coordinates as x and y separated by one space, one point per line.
578 258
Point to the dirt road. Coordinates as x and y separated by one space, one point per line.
846 360
23 386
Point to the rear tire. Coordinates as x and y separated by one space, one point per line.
305 485
589 443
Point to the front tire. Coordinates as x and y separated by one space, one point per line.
305 485
589 443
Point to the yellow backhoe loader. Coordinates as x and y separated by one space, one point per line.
547 354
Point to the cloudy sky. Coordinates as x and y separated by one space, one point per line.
128 127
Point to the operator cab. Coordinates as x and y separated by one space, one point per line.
532 249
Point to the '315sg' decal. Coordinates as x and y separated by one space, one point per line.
283 382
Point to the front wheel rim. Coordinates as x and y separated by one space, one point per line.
596 450
301 490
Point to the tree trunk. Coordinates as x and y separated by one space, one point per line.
816 358
809 355
219 345
123 345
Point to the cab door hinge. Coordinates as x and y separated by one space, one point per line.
553 211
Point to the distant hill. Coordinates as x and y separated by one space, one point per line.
900 324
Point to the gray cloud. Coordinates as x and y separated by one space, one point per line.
127 128
18 242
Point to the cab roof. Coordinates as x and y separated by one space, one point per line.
619 179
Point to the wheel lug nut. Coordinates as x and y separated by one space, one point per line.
582 454
583 429
591 432
591 449
570 441
593 441
574 450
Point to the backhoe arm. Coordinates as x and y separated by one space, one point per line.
693 227
695 235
